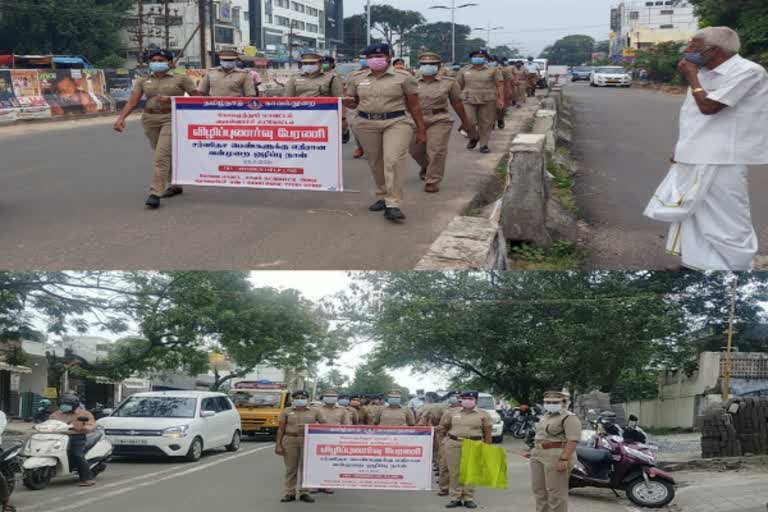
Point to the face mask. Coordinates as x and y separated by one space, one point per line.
478 60
552 408
330 400
428 70
326 67
493 64
343 402
66 408
456 68
228 64
378 63
364 62
468 403
300 402
159 67
393 401
310 68
697 58
453 400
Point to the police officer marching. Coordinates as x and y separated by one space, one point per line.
435 93
431 414
452 403
363 61
384 98
554 453
290 443
483 94
227 79
507 75
533 74
467 423
313 81
394 414
352 406
158 88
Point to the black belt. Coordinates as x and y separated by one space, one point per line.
471 438
435 111
383 116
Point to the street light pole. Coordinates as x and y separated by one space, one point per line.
453 8
368 24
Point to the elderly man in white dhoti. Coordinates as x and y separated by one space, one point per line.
723 129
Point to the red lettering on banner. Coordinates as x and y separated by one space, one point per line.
257 133
257 169
370 451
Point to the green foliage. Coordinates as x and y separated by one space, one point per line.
562 255
573 50
635 384
505 52
371 377
749 17
78 27
111 61
661 62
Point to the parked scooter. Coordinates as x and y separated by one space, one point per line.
9 459
526 423
46 454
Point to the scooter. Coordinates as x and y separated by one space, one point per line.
46 454
611 463
10 465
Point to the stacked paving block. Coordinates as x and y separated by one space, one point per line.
734 428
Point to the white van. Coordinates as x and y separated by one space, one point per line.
487 403
544 75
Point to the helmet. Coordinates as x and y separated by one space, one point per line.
68 400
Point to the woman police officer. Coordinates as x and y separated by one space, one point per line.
158 88
483 94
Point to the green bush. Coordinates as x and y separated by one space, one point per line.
661 62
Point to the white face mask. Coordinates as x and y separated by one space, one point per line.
310 68
552 408
228 64
428 69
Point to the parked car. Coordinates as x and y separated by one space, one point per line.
173 424
486 402
543 82
610 76
581 73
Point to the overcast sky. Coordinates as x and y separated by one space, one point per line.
529 25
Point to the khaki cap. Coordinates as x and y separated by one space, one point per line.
430 58
311 57
228 55
556 394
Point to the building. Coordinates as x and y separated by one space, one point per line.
13 367
639 24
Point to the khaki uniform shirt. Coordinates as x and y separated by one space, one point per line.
436 94
394 416
557 428
294 419
322 84
234 83
335 415
462 423
354 415
479 85
432 414
165 85
383 93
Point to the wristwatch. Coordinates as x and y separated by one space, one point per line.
698 89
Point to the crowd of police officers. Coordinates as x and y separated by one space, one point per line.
455 417
391 111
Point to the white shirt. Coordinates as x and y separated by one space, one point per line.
532 67
738 134
3 424
416 403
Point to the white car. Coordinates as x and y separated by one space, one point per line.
174 424
487 403
610 75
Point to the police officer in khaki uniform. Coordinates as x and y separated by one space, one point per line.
452 402
471 423
554 454
435 93
158 88
518 84
313 81
227 79
290 443
363 61
388 108
431 414
394 414
483 92
334 414
352 412
501 114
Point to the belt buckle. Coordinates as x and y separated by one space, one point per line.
540 446
379 117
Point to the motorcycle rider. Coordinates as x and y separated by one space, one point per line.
70 411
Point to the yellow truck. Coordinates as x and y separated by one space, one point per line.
259 405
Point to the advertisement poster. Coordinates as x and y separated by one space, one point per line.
275 143
29 94
368 457
119 85
92 81
7 97
64 95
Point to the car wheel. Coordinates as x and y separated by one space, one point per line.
235 444
195 450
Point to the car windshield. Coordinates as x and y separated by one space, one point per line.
486 402
157 407
582 70
262 400
611 71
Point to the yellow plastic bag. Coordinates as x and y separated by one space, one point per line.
483 465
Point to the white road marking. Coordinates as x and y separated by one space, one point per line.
104 496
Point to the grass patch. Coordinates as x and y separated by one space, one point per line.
472 212
564 181
502 170
562 255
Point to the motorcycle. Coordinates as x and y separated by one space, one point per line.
10 462
42 412
46 454
525 424
99 411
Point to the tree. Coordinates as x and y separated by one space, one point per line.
748 17
79 27
571 50
371 377
334 379
355 35
505 52
660 61
394 24
603 47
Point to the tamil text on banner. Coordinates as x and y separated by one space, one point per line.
368 457
277 143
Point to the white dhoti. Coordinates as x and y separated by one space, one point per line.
708 206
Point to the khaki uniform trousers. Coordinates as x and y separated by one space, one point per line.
352 119
443 478
433 155
157 127
550 486
521 88
293 459
533 78
385 144
483 115
458 492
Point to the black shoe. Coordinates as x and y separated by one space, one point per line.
454 504
173 191
470 504
153 202
306 498
378 206
394 214
287 498
345 136
500 124
485 149
472 144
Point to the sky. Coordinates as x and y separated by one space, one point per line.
529 25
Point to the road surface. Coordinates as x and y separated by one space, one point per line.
251 480
623 138
73 197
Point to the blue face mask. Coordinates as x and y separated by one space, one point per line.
456 68
428 69
66 408
300 402
364 62
478 61
343 402
228 64
159 67
697 58
393 401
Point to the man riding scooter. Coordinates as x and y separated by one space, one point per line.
71 413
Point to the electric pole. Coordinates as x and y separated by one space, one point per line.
167 38
203 45
212 21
